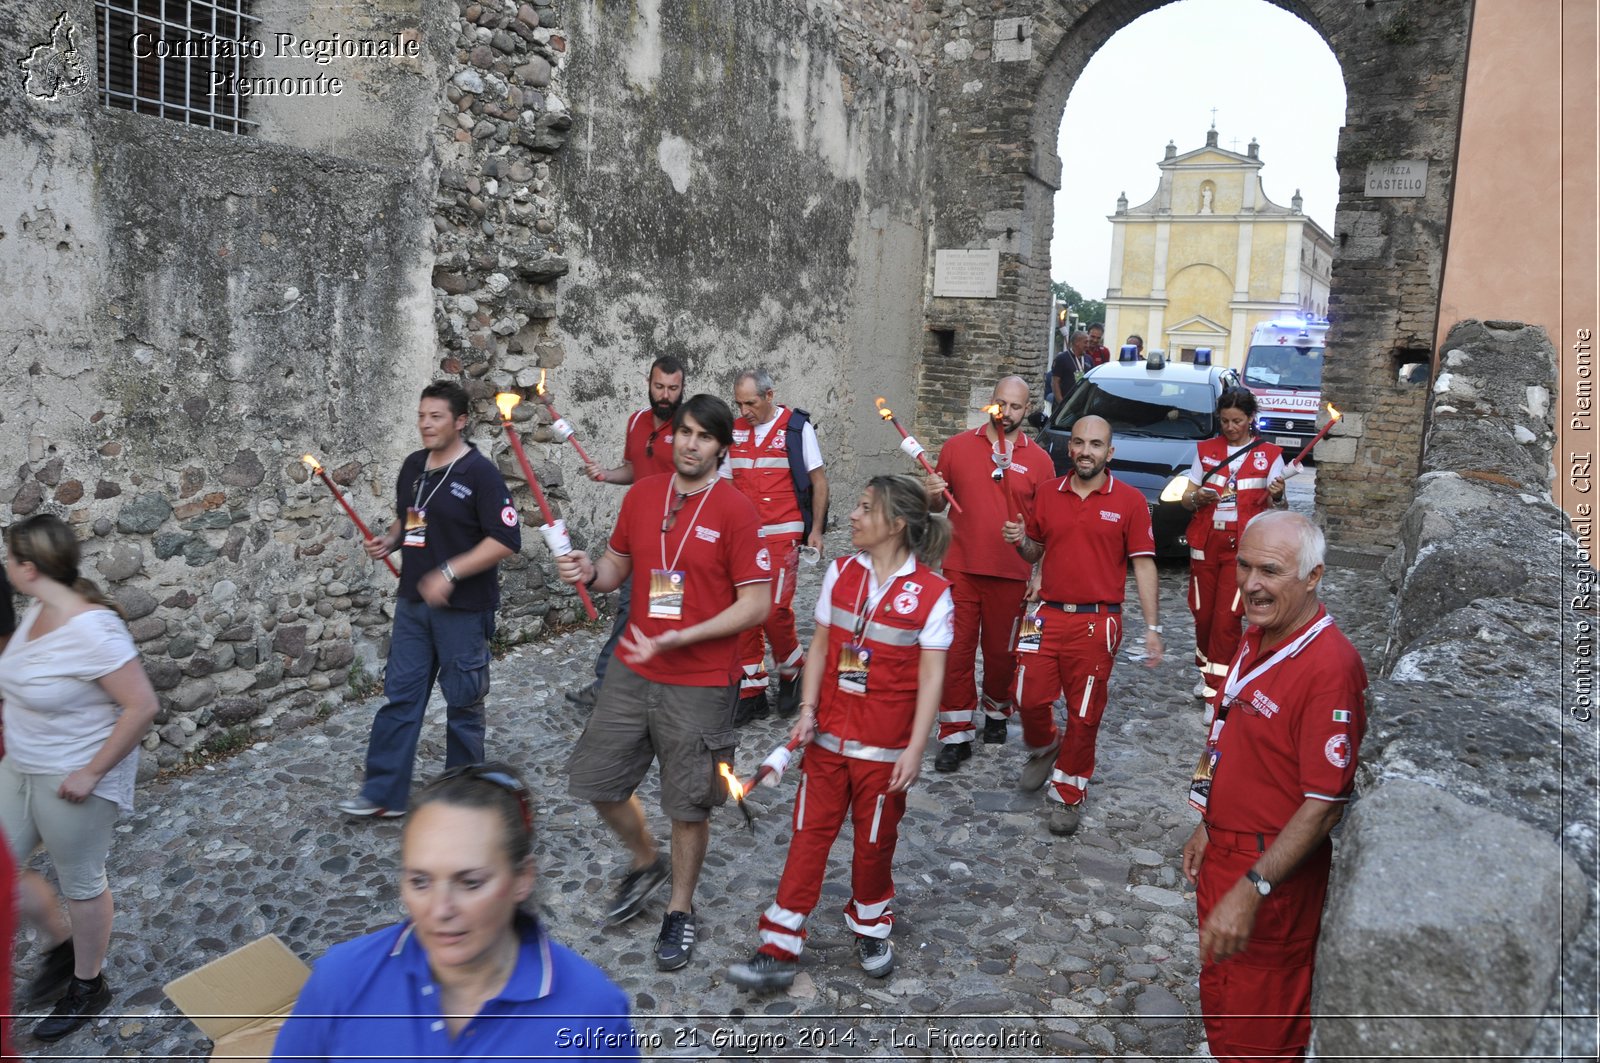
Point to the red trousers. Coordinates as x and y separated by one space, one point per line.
986 613
1218 610
830 786
1257 1003
779 628
1074 662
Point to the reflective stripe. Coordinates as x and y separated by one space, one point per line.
748 684
777 590
1194 583
790 943
856 750
1255 483
1078 781
796 526
794 659
871 911
752 669
776 913
1215 669
1235 606
867 930
758 463
959 716
956 738
845 620
1196 555
877 816
800 803
1088 689
998 710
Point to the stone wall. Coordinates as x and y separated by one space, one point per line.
1466 870
1001 83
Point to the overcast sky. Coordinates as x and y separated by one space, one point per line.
1268 74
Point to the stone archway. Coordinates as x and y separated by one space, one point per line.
1001 88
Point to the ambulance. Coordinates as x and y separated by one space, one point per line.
1283 369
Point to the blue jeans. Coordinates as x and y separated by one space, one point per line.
452 646
624 602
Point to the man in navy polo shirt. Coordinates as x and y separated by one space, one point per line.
455 524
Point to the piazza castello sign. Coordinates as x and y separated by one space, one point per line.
1398 177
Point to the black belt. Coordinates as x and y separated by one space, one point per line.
1092 607
1242 840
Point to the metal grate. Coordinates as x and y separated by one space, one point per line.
159 57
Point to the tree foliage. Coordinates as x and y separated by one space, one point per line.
1087 311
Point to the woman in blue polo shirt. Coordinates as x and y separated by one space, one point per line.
470 975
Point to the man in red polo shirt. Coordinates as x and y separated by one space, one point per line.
1086 526
1098 352
692 539
988 580
1279 767
646 451
776 462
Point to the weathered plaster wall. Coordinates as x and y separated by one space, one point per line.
745 183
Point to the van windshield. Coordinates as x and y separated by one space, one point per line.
1143 407
1282 366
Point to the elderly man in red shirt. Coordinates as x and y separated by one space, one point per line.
1279 767
1087 526
988 580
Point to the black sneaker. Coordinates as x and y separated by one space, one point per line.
584 697
764 971
951 754
788 695
994 731
752 707
876 956
675 943
636 889
83 1001
55 973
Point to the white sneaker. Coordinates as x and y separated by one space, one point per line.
1200 688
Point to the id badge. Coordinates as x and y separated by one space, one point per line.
853 663
666 594
1030 633
1205 770
416 527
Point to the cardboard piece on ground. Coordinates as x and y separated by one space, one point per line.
241 999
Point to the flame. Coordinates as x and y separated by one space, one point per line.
993 410
883 410
538 388
507 401
312 463
735 787
1333 413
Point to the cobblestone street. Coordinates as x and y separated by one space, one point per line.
1010 943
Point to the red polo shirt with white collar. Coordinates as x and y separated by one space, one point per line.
1088 541
647 447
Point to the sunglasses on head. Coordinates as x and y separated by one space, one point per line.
500 775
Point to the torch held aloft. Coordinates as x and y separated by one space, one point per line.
316 466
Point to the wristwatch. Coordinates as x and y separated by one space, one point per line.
1262 886
1154 627
447 572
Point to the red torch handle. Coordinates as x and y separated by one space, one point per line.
762 772
1005 481
1301 457
544 506
360 527
573 439
923 460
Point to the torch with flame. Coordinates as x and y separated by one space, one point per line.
770 771
316 466
1294 468
909 444
558 423
553 530
1002 457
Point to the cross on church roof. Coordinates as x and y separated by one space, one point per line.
1213 118
1234 144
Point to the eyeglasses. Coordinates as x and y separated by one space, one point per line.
672 517
496 774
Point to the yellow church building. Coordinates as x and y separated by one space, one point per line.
1209 257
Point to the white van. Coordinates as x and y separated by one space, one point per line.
1283 369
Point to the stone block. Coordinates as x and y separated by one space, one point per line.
193 694
1333 451
289 640
143 514
148 628
1439 908
136 602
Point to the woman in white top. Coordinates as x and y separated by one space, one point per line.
77 703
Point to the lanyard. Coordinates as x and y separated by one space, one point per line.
862 616
666 505
422 503
1235 685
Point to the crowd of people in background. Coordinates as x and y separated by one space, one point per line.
721 512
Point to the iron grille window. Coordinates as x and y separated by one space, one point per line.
165 57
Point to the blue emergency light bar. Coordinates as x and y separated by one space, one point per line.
1202 356
1129 353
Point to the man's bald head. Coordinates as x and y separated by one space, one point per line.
1090 447
1093 426
1011 395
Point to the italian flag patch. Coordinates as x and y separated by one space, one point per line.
1341 715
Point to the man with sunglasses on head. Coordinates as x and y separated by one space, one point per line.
694 543
454 524
776 462
646 451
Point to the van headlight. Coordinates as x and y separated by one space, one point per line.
1175 488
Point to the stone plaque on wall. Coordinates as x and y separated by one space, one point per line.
1398 177
963 274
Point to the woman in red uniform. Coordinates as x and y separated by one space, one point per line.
870 693
1235 476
